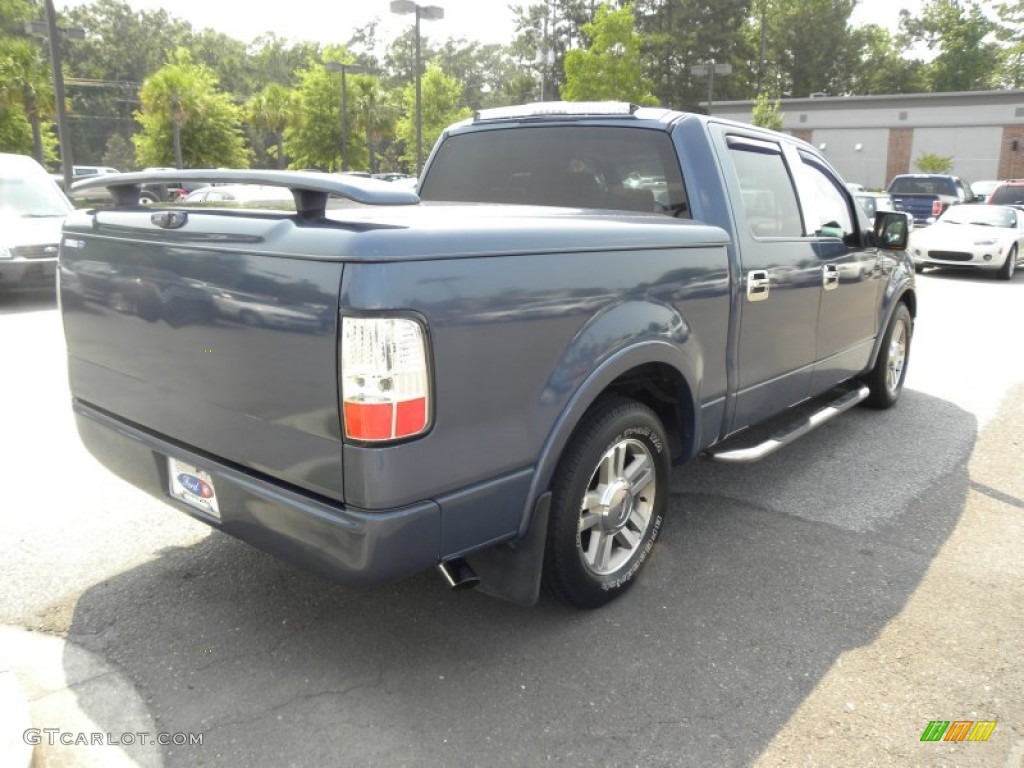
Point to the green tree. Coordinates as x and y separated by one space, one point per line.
1011 35
313 137
680 34
122 47
766 112
885 65
440 108
929 162
808 46
26 94
120 153
377 116
959 30
270 110
186 121
610 68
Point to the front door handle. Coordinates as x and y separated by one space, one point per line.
758 285
830 277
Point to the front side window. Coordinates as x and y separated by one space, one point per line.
828 211
576 166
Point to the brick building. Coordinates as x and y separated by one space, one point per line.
869 139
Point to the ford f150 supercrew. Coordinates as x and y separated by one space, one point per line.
496 380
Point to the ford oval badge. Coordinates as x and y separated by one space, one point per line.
195 486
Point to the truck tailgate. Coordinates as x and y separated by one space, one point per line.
211 336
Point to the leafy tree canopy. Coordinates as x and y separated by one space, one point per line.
611 67
186 120
441 106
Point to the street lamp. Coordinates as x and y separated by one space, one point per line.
431 13
51 31
709 69
334 66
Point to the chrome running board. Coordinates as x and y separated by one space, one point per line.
792 431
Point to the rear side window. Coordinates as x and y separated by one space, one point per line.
628 169
766 188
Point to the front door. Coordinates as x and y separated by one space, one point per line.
781 281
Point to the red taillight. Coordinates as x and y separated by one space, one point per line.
384 379
937 208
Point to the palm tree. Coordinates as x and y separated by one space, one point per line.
375 115
177 91
271 110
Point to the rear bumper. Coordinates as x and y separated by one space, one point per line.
345 544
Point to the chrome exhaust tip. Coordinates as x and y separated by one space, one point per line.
457 574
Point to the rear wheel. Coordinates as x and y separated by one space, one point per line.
886 379
1009 266
608 503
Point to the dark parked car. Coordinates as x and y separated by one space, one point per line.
32 209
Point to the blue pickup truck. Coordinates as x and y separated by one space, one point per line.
493 377
926 196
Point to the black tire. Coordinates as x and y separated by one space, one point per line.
619 457
886 379
1009 266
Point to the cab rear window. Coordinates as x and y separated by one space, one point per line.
571 166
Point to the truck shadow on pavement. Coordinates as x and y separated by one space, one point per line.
765 575
27 300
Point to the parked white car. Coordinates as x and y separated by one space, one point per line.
985 237
32 210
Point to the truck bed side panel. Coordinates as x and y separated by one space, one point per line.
514 338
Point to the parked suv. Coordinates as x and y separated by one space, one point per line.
1010 192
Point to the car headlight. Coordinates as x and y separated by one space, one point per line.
5 252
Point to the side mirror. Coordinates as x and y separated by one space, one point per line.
892 230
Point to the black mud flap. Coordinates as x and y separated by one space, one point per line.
512 571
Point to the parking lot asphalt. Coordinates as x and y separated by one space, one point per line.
818 608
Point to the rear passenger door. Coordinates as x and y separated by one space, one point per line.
780 280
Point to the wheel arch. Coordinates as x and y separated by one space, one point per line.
908 297
661 375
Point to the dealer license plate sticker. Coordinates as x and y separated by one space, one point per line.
192 486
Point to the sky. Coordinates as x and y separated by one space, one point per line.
333 21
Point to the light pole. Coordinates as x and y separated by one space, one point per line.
709 69
52 34
431 13
334 66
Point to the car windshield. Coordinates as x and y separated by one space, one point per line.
29 195
984 215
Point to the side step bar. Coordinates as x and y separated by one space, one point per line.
792 431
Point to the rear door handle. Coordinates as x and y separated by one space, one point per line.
830 277
758 285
